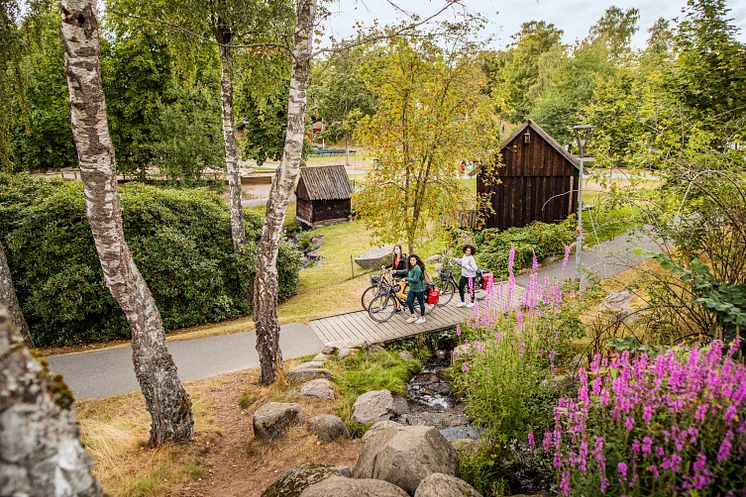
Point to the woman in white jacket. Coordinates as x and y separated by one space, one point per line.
468 275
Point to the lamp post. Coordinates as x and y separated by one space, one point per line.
582 135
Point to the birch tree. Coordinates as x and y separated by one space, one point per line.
9 299
265 282
39 438
166 400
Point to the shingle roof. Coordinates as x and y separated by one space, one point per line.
326 182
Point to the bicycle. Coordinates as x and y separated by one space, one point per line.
449 287
376 282
387 301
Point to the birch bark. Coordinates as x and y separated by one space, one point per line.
39 438
8 299
233 169
265 282
166 400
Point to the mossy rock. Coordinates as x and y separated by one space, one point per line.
295 481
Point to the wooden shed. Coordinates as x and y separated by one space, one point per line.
538 180
323 195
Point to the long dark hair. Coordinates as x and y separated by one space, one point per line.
418 263
401 251
467 246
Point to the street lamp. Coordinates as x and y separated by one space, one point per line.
582 135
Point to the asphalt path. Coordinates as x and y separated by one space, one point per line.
101 373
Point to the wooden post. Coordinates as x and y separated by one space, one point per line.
352 266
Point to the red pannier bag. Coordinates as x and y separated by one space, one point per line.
487 280
433 296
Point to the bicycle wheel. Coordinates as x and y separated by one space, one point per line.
428 307
381 308
447 291
368 295
479 292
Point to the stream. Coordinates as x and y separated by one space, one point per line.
430 400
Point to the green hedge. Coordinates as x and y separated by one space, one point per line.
180 240
493 245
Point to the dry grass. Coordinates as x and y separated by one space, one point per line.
223 459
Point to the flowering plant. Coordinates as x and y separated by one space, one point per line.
672 425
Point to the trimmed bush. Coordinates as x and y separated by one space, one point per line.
180 240
540 239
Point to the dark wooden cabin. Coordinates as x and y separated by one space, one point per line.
323 196
538 180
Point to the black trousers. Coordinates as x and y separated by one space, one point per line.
463 283
420 296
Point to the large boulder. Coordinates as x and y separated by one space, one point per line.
440 485
338 486
320 388
328 428
272 420
295 481
404 455
375 257
373 406
301 373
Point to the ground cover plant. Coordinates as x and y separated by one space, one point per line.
180 240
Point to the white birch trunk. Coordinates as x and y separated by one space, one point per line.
9 299
166 400
265 282
233 168
39 438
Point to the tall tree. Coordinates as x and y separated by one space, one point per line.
432 114
615 28
265 282
39 438
167 401
10 301
519 65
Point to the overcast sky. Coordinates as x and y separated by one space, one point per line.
574 17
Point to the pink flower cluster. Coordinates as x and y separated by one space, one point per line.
670 425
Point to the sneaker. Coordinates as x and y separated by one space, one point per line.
470 305
397 310
420 321
460 304
412 319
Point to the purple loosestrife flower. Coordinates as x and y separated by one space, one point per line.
629 423
534 264
725 447
511 260
547 441
466 367
458 330
566 259
520 352
622 468
531 443
519 317
565 483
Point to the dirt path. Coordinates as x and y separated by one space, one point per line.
239 466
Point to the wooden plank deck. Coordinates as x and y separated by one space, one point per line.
358 328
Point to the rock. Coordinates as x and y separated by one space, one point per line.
463 432
321 389
304 375
405 455
329 349
440 485
376 405
309 365
375 257
338 486
348 351
328 428
313 255
272 420
381 425
406 355
345 471
295 481
375 349
462 350
620 305
401 406
465 447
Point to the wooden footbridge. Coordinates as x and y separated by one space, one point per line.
358 328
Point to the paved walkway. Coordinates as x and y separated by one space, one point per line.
101 373
109 372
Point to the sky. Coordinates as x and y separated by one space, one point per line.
574 17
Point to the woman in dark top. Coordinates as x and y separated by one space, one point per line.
398 264
416 280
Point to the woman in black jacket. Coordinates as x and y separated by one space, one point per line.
399 270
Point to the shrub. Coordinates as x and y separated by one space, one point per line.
537 239
180 240
673 425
